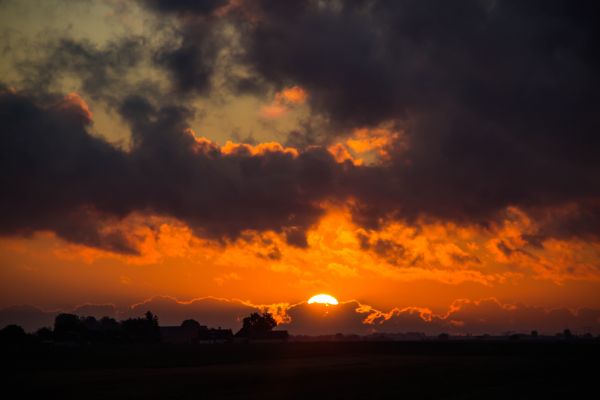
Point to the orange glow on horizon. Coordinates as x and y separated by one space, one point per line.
397 266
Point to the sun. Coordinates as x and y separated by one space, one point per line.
323 299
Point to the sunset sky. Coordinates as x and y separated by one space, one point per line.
433 165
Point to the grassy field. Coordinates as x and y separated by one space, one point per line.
309 370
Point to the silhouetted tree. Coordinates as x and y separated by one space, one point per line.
151 318
68 327
44 334
260 323
190 324
567 334
534 334
108 324
12 334
443 336
257 324
142 329
90 323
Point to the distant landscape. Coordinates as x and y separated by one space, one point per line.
73 330
137 363
137 358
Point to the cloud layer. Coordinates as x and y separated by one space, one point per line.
462 317
59 177
496 104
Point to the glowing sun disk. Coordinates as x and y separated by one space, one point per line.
323 299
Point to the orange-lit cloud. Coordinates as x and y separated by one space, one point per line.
341 154
377 140
273 110
369 144
291 95
259 149
75 103
273 256
284 101
338 250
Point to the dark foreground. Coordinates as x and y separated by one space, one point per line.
446 370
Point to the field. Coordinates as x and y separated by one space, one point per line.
307 370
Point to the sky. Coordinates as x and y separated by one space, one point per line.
433 165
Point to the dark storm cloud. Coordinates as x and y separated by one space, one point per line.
52 171
296 237
222 194
576 220
190 59
364 62
498 102
56 176
190 63
185 6
100 69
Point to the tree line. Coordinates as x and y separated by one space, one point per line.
70 328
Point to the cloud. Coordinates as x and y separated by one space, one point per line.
191 63
32 318
471 108
200 7
315 319
102 70
498 100
284 100
28 317
96 310
208 311
463 316
56 175
64 179
490 315
60 177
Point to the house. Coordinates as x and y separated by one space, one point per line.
187 332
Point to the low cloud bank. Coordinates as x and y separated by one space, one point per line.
463 316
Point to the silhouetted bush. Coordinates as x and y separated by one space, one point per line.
12 334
